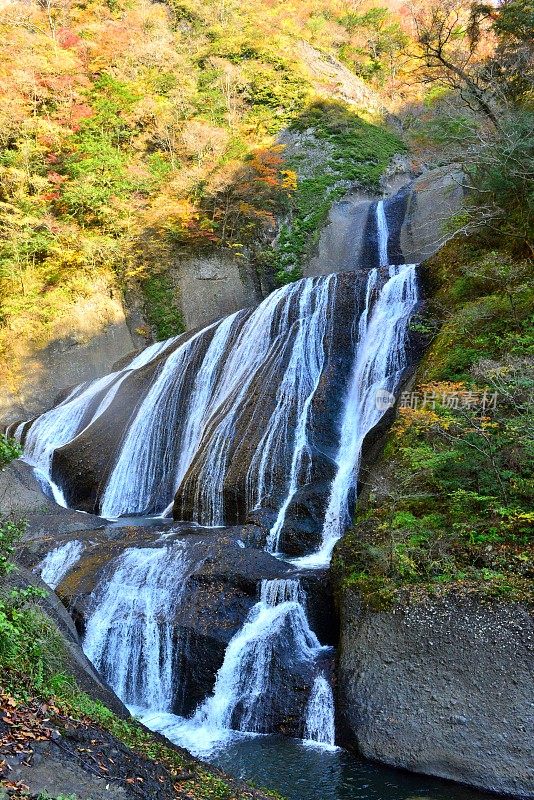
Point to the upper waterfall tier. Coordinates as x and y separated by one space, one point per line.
253 417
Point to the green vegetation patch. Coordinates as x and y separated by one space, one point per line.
359 154
452 507
160 307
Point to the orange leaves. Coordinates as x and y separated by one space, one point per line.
79 111
260 214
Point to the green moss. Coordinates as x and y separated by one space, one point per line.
161 311
359 153
9 449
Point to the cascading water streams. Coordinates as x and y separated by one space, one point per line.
129 634
258 341
65 421
298 387
382 234
246 685
58 562
229 414
142 469
200 402
244 417
319 727
380 361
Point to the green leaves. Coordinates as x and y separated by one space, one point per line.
9 450
10 532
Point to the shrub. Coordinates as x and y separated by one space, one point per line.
9 450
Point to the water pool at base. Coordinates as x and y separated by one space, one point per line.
301 772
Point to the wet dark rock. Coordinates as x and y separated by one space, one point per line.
302 531
23 497
222 585
320 608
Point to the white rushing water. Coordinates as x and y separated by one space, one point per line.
293 401
145 453
201 400
378 365
382 234
129 634
154 457
245 683
260 335
64 422
58 562
319 727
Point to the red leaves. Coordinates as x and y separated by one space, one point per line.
67 38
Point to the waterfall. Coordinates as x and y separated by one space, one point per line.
142 471
65 421
242 689
319 727
258 341
378 366
247 415
297 390
148 469
382 234
245 686
228 423
200 403
129 633
58 562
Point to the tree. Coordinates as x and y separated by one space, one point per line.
453 55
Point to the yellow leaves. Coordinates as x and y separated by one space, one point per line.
421 418
440 388
168 213
488 424
289 179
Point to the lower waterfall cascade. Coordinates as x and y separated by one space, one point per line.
319 726
244 689
238 423
129 635
57 563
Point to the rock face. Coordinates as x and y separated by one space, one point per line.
83 344
21 496
442 688
212 286
99 330
416 214
432 199
334 79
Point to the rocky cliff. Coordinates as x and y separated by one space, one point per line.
417 209
442 687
